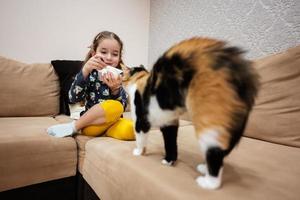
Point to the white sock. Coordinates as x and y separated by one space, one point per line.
62 130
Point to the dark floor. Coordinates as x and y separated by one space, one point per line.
71 188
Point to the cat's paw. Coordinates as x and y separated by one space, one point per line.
209 182
202 168
165 162
138 152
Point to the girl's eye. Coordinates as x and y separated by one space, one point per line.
103 52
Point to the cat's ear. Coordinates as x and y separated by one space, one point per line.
126 72
124 67
143 67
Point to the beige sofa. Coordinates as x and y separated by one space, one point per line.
265 164
29 100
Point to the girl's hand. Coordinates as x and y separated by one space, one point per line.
114 83
95 62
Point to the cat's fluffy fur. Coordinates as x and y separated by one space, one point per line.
207 79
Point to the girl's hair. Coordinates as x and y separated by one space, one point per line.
98 38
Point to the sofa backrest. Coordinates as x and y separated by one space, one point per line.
28 89
276 114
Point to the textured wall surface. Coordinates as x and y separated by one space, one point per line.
262 27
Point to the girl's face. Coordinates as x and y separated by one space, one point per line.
109 51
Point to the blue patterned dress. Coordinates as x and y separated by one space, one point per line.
93 91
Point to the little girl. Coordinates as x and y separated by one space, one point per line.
105 98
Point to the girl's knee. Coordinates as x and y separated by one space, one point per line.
113 110
95 130
122 130
92 131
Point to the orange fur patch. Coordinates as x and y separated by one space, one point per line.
210 100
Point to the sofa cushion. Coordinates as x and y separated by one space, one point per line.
28 89
114 173
276 114
29 155
81 140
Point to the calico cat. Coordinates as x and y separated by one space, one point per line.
210 81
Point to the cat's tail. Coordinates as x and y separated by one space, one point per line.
243 77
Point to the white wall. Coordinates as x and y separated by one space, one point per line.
43 30
262 27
